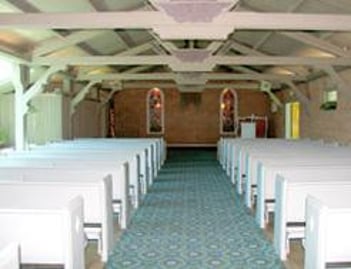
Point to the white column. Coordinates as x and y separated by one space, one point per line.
20 79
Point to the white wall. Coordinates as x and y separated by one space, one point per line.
45 119
45 123
7 117
332 125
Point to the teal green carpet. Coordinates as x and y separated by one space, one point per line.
192 218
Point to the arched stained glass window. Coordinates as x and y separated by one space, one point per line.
155 111
229 112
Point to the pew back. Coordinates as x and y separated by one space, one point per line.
49 229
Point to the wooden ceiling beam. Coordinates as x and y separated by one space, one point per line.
342 85
169 85
317 43
151 19
172 76
58 43
213 60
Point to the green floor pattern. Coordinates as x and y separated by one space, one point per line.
192 219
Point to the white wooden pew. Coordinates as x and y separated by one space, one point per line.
231 151
242 170
49 229
104 147
81 158
95 188
233 147
90 158
280 152
156 148
235 156
220 150
289 214
120 179
328 233
256 151
86 151
323 170
259 147
224 153
266 178
229 156
9 256
158 144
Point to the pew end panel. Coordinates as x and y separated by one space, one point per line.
10 256
290 197
327 233
50 235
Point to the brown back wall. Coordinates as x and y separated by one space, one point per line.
189 118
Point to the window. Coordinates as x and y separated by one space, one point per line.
330 99
155 111
228 112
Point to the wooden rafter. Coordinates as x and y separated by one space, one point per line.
58 43
300 96
317 42
165 85
338 80
172 76
81 94
150 19
219 60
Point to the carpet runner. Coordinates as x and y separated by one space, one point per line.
192 218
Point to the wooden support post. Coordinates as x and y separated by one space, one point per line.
20 81
80 96
37 87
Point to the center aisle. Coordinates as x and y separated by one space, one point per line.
191 218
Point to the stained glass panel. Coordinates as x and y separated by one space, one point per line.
228 112
155 111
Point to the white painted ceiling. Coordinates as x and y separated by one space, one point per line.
39 45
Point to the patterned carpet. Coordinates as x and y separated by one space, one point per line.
192 219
